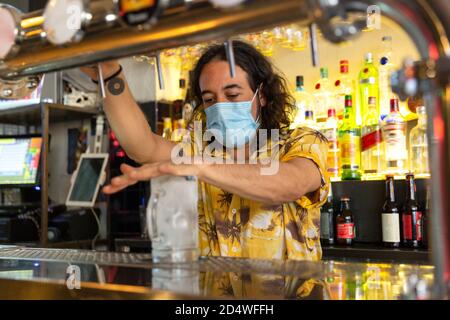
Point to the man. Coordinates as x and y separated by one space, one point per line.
242 212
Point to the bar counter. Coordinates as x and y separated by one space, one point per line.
33 273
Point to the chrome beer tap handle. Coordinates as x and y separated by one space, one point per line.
230 57
101 82
159 71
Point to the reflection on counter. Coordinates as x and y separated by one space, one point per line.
220 277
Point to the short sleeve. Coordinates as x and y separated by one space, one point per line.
310 144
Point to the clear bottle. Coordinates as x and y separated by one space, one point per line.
350 144
309 120
368 84
342 87
394 136
303 100
418 145
372 143
323 94
385 69
330 131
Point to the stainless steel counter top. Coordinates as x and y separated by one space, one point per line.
126 275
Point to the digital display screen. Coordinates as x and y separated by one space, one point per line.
86 180
19 160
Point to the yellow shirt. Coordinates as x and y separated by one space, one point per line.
236 227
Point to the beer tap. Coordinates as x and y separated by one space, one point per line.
159 71
101 81
313 44
230 57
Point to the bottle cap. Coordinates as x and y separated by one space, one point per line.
331 112
324 72
369 57
389 177
394 105
299 81
308 114
345 198
344 66
410 175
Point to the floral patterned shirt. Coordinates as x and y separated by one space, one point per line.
236 227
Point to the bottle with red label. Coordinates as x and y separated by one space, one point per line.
412 216
372 149
390 217
394 137
330 131
345 225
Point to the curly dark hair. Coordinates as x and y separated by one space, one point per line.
279 102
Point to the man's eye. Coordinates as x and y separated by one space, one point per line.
233 96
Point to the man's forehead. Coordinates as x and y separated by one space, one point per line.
216 75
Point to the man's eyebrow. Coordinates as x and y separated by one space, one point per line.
206 91
229 86
232 86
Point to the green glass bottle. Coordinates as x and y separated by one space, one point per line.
350 144
368 85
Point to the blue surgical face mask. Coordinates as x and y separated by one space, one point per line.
232 123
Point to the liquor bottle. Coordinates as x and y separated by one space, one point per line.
343 86
304 101
327 220
371 143
323 95
330 132
345 225
412 217
394 136
167 130
309 120
418 145
390 217
178 130
350 144
368 84
385 69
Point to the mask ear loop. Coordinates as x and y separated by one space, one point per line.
258 118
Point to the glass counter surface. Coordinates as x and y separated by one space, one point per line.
31 273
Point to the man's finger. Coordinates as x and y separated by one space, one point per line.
109 189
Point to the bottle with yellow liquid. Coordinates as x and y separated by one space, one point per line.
368 84
167 131
350 144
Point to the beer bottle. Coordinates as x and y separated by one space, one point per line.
390 216
327 220
412 217
345 226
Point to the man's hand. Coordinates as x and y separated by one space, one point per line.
132 175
